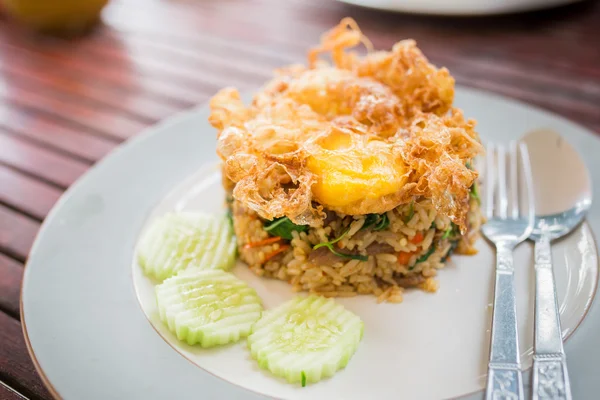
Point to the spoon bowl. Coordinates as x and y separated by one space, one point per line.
558 225
562 184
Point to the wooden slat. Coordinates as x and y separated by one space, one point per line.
115 61
196 64
109 123
11 274
53 134
26 194
125 79
181 23
38 161
214 45
16 368
240 19
21 70
209 74
17 233
8 393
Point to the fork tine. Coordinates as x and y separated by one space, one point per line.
502 197
527 175
490 180
514 180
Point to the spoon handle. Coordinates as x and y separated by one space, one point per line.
550 377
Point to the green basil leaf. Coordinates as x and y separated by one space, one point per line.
378 222
425 256
283 228
370 220
411 212
451 232
475 192
330 244
350 256
343 255
453 246
384 223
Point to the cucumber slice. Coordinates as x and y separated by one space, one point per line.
176 241
207 306
306 339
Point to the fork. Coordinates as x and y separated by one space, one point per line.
508 224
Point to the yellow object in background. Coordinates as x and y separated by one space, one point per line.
55 16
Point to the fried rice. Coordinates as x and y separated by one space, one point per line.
407 254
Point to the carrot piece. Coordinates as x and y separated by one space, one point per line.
274 253
418 238
265 242
404 257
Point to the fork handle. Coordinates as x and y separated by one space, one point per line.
505 380
550 378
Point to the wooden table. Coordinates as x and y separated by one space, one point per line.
64 104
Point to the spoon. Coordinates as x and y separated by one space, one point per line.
563 195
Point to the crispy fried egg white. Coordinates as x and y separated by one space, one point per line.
361 135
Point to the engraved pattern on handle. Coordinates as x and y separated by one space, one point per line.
504 384
550 378
504 373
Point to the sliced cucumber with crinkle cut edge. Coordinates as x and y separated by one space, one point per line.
306 339
178 240
207 306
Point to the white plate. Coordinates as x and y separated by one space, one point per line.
459 7
92 340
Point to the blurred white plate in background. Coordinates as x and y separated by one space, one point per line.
459 7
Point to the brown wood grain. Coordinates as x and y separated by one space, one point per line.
54 134
111 124
123 77
216 69
17 233
26 194
16 368
42 73
153 63
176 42
8 393
66 103
39 161
11 274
